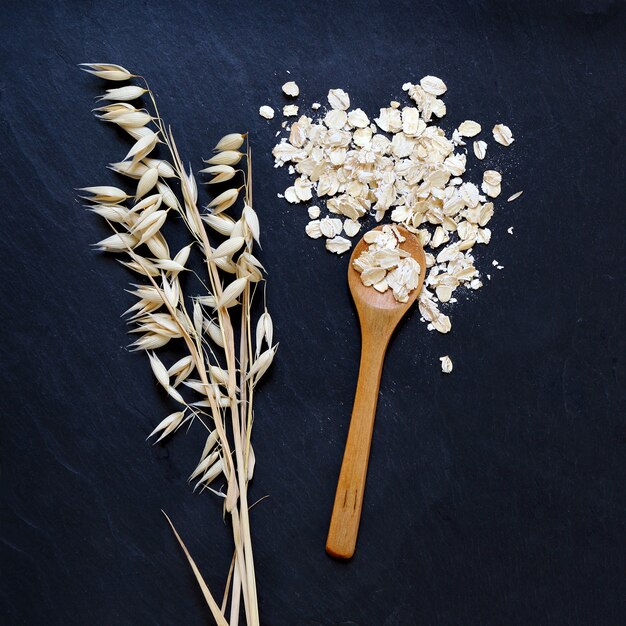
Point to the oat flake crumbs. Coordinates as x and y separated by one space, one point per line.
396 165
446 364
267 112
291 89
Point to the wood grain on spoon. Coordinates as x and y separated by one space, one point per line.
379 314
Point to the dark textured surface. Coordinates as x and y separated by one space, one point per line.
495 495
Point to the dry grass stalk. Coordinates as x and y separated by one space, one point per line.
228 363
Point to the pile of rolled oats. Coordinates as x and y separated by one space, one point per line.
400 166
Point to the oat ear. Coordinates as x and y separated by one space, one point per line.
201 325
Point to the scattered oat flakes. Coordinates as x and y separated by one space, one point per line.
412 125
291 89
290 110
510 230
266 112
457 138
313 229
358 119
330 227
444 293
483 236
338 245
486 213
400 167
502 134
315 106
433 85
515 196
389 120
291 195
491 183
336 119
468 128
480 149
446 364
339 99
302 188
314 212
431 313
351 227
362 137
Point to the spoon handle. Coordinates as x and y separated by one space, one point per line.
344 523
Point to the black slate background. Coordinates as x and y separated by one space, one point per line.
495 495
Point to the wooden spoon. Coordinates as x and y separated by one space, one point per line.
379 314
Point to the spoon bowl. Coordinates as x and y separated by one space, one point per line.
379 314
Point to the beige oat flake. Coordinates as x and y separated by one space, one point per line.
314 212
433 85
491 183
358 119
351 227
336 119
446 364
330 227
291 89
267 112
339 99
313 229
502 134
468 128
338 245
480 149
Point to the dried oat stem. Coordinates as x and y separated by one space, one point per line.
228 366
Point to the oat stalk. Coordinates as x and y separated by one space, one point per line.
221 338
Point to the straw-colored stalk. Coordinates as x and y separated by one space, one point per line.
228 363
